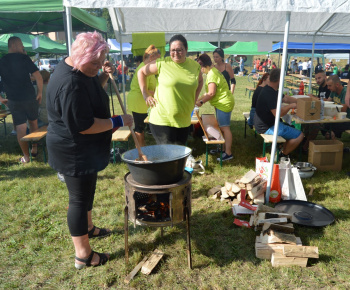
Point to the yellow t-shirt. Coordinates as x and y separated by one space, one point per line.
223 99
136 102
175 92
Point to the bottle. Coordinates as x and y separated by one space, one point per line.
275 189
301 88
322 109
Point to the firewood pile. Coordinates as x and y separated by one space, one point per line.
277 240
251 182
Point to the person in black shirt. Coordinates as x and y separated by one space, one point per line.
262 83
23 102
79 135
264 120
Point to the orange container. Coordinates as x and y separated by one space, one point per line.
275 191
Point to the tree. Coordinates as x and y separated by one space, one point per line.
104 14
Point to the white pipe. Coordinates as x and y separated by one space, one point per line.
312 64
69 29
279 103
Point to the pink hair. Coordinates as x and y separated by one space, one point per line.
87 47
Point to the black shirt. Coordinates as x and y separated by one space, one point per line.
73 101
15 70
256 95
323 92
267 101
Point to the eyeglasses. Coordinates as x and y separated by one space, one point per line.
179 51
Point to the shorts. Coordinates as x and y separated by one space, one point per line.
224 119
23 110
120 79
284 131
139 121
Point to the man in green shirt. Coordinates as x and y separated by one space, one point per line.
338 93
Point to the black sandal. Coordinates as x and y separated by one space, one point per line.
87 261
102 233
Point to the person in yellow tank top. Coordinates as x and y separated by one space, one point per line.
219 96
178 86
136 103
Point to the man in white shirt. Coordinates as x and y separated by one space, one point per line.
304 65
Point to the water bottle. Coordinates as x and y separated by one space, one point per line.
322 109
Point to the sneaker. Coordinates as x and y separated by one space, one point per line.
281 155
225 157
215 151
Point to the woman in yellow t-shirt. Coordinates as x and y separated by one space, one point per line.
178 86
219 96
136 103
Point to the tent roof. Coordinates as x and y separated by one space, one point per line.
115 47
197 46
44 16
46 45
298 47
228 20
244 48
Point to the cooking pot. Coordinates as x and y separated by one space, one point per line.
166 166
305 169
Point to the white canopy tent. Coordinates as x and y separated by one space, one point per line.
232 20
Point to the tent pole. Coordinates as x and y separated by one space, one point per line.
312 63
122 60
69 29
279 103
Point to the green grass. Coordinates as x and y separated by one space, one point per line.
37 252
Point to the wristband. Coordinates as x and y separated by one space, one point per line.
233 81
117 121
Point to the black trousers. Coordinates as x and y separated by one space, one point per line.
81 191
169 135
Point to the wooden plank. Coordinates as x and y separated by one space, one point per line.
265 208
273 221
278 260
260 199
269 138
153 260
36 135
264 251
257 190
209 120
277 227
201 123
278 237
302 252
122 134
134 271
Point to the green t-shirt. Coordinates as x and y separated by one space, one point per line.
136 102
223 99
340 100
335 70
175 92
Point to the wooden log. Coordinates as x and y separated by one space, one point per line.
254 183
257 190
278 237
278 260
153 260
235 189
228 186
134 271
260 199
264 251
214 190
277 227
265 208
224 193
301 252
249 177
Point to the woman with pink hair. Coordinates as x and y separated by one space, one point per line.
79 136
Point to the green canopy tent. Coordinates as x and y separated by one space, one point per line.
244 48
46 45
26 16
197 46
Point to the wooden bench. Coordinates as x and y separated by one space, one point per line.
122 136
206 121
268 139
246 116
3 115
37 136
250 90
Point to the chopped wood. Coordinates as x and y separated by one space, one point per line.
228 186
277 227
264 251
273 215
251 221
235 189
153 260
260 199
248 177
231 194
302 252
241 185
216 196
224 193
214 190
278 259
257 190
311 191
265 208
254 183
277 237
134 271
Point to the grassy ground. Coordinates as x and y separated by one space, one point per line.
37 252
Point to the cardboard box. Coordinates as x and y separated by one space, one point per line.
326 155
308 109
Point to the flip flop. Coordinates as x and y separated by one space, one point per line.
23 161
